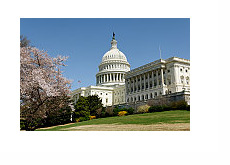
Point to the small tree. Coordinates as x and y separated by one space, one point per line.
94 104
82 109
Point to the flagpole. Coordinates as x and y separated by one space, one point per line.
160 51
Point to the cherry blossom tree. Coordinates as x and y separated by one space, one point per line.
43 88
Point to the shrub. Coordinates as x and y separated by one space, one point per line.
166 108
188 108
82 119
156 108
108 111
122 113
143 109
98 112
130 110
116 110
62 116
92 117
179 105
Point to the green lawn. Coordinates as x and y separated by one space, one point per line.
167 117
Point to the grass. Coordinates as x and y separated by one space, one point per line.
166 117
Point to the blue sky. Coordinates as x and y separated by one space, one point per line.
85 41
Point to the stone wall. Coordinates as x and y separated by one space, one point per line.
163 100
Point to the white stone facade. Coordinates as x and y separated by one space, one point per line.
157 78
116 84
105 93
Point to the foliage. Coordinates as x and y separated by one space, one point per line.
130 110
92 117
188 108
122 113
109 111
156 108
61 116
88 106
94 103
178 105
142 109
43 89
82 108
116 110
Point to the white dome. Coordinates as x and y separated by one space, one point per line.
113 67
114 54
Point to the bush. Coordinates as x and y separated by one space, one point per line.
188 108
179 105
109 111
143 109
62 116
166 108
116 110
82 119
156 108
130 110
122 113
92 117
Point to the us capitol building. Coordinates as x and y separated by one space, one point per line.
117 84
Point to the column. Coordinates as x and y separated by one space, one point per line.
175 79
166 76
133 84
140 82
157 78
144 82
107 77
148 81
162 77
152 80
136 83
120 77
